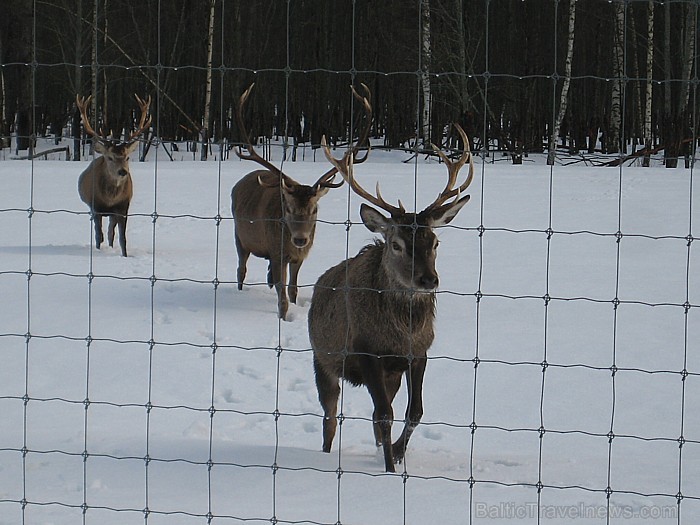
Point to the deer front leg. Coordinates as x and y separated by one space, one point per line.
99 237
110 229
279 277
383 415
121 222
414 410
293 274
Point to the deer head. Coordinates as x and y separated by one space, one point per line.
299 201
115 153
410 243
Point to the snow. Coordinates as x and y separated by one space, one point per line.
191 400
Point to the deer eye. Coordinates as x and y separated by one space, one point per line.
396 247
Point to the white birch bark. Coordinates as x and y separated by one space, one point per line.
688 55
649 84
425 66
563 100
204 132
615 124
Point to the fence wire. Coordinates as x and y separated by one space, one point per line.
20 503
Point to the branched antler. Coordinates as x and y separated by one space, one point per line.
144 122
252 154
453 168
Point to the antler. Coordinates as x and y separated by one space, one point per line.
453 168
329 175
252 154
144 122
82 104
345 164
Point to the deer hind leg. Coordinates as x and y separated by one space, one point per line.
414 410
99 237
243 255
383 415
328 393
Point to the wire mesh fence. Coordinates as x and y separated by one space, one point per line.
562 382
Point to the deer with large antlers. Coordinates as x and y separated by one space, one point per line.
106 185
371 316
275 216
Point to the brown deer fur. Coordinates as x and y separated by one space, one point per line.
276 222
106 187
371 316
275 216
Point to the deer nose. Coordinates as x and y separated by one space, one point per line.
428 281
122 172
300 242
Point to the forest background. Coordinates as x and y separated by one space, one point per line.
520 76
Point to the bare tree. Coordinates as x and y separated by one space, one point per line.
649 84
613 134
206 128
554 137
426 53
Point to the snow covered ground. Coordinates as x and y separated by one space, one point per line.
149 386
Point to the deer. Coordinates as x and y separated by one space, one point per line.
371 316
106 185
275 216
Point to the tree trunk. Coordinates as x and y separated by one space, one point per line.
615 124
4 124
670 138
105 91
688 57
204 132
23 54
425 76
648 92
78 71
554 137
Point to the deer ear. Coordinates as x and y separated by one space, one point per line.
444 214
321 191
268 179
131 147
99 147
375 221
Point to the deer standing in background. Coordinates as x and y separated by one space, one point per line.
105 185
275 216
371 316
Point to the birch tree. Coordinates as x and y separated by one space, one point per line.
649 84
688 57
425 72
204 132
563 99
615 123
